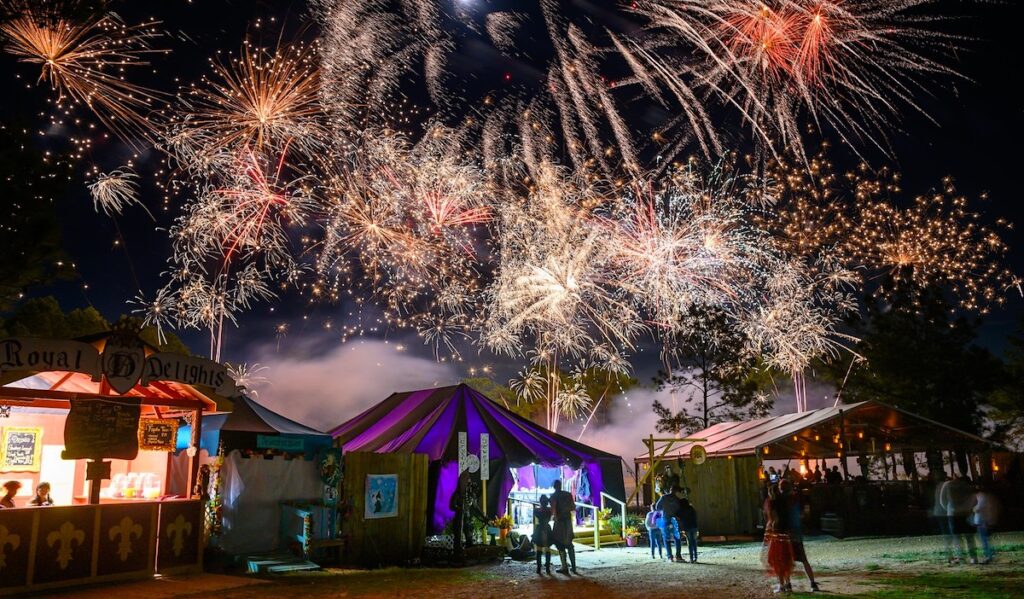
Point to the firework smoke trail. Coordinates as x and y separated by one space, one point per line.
85 62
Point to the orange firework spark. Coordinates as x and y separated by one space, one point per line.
87 61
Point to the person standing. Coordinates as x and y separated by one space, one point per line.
42 495
654 523
542 532
11 487
983 517
669 506
778 551
462 521
791 502
954 499
688 522
563 508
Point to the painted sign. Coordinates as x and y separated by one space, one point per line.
21 449
102 428
123 360
158 434
381 500
282 443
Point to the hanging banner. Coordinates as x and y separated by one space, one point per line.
158 434
21 449
45 355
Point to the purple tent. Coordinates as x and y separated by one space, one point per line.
429 422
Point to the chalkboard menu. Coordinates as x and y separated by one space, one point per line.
21 449
157 434
102 428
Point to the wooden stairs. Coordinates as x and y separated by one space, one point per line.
585 536
278 562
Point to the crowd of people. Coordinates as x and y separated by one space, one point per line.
11 488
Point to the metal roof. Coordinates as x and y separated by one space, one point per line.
793 433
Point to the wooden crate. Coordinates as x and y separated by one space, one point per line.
386 541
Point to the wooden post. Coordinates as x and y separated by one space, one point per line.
193 461
650 464
842 445
95 472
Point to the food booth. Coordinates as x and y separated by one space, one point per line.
98 418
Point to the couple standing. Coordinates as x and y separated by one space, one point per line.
561 507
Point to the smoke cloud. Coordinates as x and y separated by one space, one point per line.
322 389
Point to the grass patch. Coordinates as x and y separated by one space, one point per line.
872 567
962 583
940 555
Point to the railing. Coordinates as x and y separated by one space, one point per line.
597 524
622 511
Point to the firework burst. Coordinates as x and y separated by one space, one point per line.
86 62
114 191
263 100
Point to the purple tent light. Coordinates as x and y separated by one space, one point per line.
429 421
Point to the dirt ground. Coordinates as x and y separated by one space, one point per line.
876 567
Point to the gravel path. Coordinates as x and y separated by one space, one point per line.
843 567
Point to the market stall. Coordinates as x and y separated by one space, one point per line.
97 419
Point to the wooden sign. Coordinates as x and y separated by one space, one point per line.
21 449
102 428
158 434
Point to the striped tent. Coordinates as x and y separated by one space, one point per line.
429 421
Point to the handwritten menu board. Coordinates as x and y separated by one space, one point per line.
156 434
21 449
102 428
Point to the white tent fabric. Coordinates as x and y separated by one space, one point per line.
252 490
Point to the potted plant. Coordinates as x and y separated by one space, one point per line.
632 535
603 516
503 523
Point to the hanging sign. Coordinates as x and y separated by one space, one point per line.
281 443
45 355
698 455
102 428
168 366
470 462
158 434
21 449
123 363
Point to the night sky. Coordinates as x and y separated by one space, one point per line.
975 138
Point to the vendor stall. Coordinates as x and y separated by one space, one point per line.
268 464
97 419
877 468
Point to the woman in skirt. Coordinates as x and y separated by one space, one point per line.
542 532
777 552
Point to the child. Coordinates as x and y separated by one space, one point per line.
654 524
542 532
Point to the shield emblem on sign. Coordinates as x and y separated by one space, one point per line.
123 362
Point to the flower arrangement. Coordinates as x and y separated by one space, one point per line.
501 522
605 514
631 532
